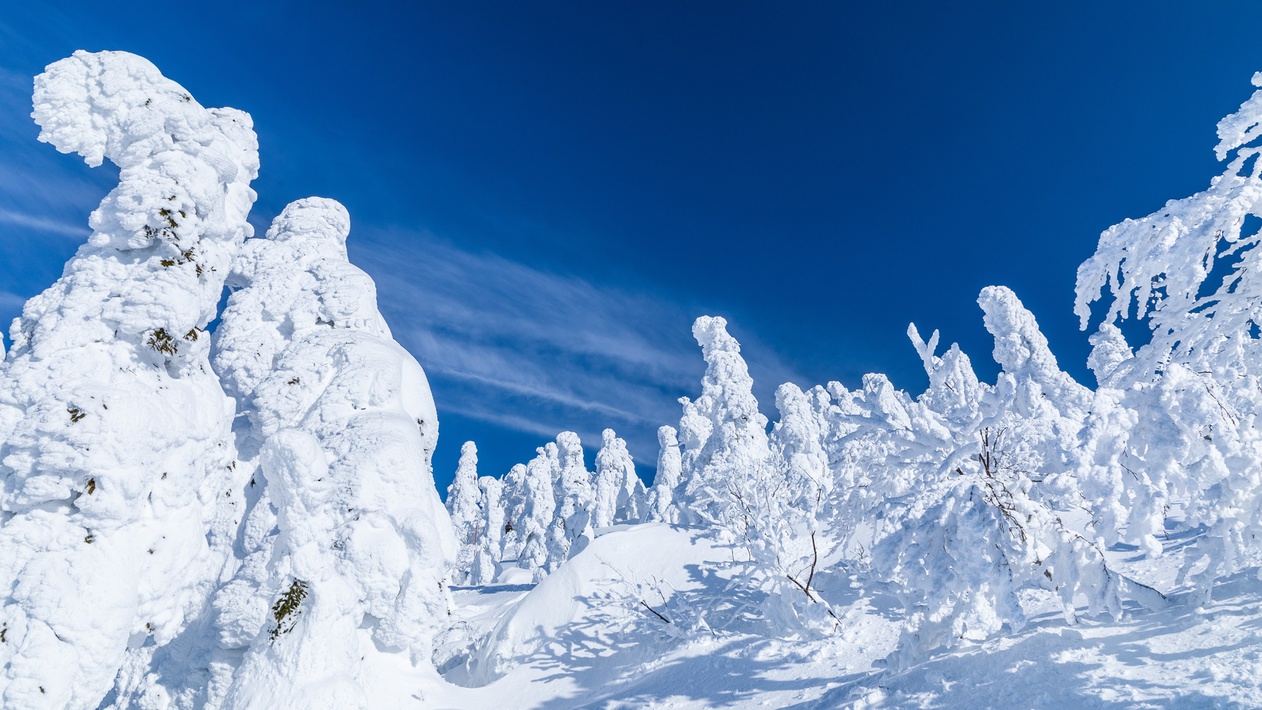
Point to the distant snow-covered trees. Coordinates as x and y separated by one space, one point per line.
620 494
464 505
489 550
661 498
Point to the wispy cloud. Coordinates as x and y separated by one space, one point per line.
537 351
11 301
42 224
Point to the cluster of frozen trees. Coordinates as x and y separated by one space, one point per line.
968 498
251 522
542 513
250 519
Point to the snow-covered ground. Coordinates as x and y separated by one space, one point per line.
582 639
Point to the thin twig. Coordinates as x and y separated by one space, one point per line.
655 612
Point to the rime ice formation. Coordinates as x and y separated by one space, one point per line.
538 508
118 496
620 496
486 559
353 570
723 434
572 525
463 503
661 497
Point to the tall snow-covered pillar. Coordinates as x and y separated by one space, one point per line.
115 474
354 570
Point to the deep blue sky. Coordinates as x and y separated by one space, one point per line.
548 193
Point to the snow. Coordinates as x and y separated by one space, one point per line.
117 447
249 518
580 639
361 543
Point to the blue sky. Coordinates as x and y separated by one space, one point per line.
548 193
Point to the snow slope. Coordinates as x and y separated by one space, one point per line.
581 639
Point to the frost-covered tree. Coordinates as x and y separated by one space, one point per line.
538 511
724 436
514 500
353 570
571 529
797 444
1173 426
620 494
661 503
117 482
486 560
467 516
980 496
765 505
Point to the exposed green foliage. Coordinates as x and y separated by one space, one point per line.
162 341
287 606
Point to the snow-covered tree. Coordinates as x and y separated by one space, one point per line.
117 482
571 529
724 435
620 494
1173 426
764 504
467 517
797 444
981 499
514 499
355 565
661 504
486 561
538 511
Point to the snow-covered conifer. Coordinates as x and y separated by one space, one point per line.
797 443
620 494
486 561
513 498
118 485
724 435
348 426
538 511
661 505
572 527
467 517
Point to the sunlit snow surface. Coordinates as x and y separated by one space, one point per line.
581 639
